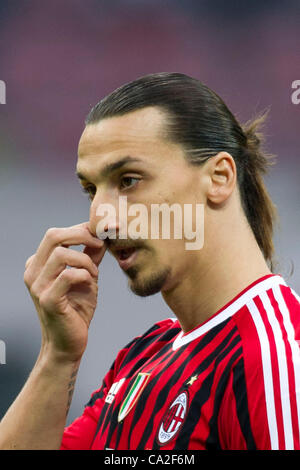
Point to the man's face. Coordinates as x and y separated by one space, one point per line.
159 174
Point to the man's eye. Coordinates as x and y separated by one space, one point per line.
126 181
89 190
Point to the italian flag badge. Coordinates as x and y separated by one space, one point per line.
133 395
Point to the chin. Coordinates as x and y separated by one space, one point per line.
144 285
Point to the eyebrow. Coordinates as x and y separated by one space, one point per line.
111 167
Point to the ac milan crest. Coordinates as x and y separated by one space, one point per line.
173 419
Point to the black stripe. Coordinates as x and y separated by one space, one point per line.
147 395
170 334
242 408
213 440
95 397
112 416
161 399
165 353
144 342
100 393
100 420
204 392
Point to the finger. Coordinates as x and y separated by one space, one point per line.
59 259
85 227
50 299
29 261
96 254
76 235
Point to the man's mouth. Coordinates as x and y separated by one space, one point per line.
124 253
125 256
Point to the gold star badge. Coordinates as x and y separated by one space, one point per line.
192 380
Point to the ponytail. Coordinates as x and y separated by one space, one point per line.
258 206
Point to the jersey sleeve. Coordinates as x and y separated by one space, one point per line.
260 407
252 415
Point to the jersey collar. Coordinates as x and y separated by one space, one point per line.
262 284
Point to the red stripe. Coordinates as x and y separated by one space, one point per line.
208 407
232 439
167 375
290 366
275 372
254 378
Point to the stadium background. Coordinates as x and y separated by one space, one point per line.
58 59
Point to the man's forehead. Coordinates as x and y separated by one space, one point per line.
134 128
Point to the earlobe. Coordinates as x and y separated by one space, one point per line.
222 177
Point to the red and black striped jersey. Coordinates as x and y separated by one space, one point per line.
233 382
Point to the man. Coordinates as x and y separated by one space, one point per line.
225 372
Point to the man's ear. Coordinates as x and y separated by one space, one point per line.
222 177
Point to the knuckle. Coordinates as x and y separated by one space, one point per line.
75 274
88 259
52 234
67 274
86 275
34 291
44 300
59 251
28 261
27 279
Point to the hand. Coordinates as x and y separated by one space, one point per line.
65 298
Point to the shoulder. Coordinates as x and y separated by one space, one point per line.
269 329
269 324
134 353
148 342
161 329
268 374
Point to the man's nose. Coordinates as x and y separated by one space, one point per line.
104 219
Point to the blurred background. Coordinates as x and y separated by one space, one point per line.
58 59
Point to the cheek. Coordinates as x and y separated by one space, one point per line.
170 250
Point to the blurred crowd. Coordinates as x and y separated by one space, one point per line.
59 58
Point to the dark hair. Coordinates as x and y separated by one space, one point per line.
198 119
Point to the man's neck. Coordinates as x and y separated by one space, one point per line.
208 287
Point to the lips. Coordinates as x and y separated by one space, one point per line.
124 253
125 256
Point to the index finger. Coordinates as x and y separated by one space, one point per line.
66 236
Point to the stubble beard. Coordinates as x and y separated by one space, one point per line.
144 286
